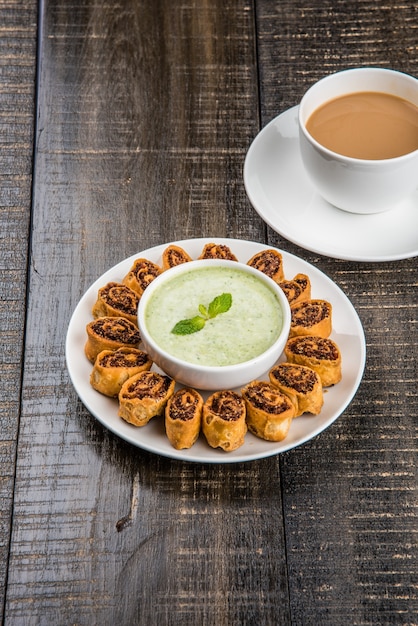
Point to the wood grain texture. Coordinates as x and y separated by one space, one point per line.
145 115
145 112
153 118
352 546
302 41
17 89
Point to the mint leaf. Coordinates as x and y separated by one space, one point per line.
220 304
188 327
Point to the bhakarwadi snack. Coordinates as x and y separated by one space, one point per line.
116 300
141 274
270 262
265 408
144 396
292 290
312 317
305 284
110 333
269 411
174 255
301 384
298 289
112 368
223 420
319 353
183 416
217 251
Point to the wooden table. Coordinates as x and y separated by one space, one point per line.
125 125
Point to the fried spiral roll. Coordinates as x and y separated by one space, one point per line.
319 353
144 396
183 416
302 385
174 255
305 284
116 300
223 420
269 411
112 368
313 317
141 274
298 289
269 262
292 290
217 251
110 333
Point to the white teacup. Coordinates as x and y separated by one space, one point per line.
351 184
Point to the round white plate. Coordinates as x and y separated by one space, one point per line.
281 193
347 332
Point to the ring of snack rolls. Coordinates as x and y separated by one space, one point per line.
265 408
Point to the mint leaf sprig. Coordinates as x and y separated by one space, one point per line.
220 304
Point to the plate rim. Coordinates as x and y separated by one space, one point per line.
215 456
281 230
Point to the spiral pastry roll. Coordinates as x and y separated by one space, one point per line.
110 333
223 420
144 396
174 255
141 274
298 289
305 284
116 300
269 411
269 262
313 317
112 368
302 385
292 290
319 353
217 251
183 416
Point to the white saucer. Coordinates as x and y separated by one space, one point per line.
281 193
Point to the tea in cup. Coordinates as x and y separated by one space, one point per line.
358 135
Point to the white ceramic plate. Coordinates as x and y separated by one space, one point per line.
347 332
281 193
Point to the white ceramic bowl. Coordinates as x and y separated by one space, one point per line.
358 185
211 376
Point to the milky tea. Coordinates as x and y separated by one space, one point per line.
366 125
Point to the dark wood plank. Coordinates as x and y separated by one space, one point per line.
350 496
145 114
146 111
17 89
